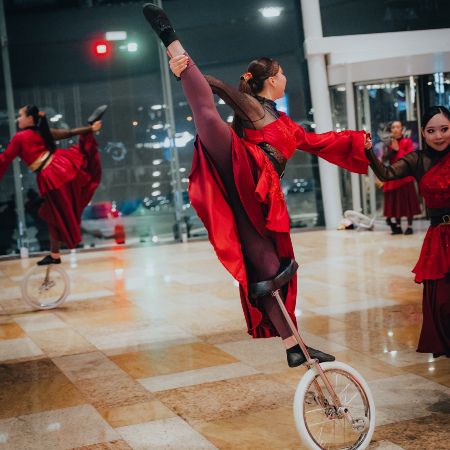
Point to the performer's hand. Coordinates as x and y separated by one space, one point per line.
394 144
378 183
367 141
96 126
178 64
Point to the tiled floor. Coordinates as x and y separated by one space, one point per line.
150 351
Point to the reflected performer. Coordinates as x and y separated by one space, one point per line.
235 180
66 178
400 196
431 169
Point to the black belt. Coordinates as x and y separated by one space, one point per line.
275 156
439 216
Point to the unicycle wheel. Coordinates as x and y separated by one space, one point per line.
320 423
45 287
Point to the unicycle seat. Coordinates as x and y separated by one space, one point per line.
268 287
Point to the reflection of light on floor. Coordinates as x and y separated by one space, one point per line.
73 259
298 312
431 369
119 273
390 333
167 279
3 438
53 426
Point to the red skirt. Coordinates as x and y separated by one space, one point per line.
434 259
435 334
67 186
401 202
259 189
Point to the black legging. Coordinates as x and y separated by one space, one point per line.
259 251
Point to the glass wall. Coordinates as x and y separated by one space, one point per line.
63 60
378 103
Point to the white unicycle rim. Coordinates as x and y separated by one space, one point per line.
34 301
299 401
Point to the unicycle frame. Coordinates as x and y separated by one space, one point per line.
313 363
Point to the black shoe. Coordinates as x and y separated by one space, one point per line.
160 23
48 260
97 114
295 356
397 230
409 230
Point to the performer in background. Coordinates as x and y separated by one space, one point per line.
400 196
66 178
431 169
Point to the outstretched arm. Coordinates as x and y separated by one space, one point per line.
400 169
344 148
66 133
61 133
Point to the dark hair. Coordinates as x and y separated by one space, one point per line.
431 112
41 126
252 82
389 126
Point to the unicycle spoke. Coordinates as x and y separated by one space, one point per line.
325 425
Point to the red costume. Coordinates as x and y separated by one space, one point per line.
432 170
66 184
400 196
258 184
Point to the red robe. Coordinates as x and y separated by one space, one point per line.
67 184
260 191
405 146
434 259
400 196
433 266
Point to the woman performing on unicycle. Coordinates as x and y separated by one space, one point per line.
66 178
235 179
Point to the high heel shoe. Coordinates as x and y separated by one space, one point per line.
97 114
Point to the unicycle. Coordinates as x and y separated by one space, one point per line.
333 404
45 287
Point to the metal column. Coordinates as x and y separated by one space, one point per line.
23 239
170 121
329 175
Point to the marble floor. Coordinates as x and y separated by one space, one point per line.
150 350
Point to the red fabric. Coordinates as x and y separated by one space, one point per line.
402 202
344 148
435 333
434 259
259 189
405 146
67 184
27 144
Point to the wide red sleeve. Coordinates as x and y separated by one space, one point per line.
11 152
343 148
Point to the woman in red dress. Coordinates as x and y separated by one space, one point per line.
66 178
431 169
400 196
235 178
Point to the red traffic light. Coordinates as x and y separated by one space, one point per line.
102 48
